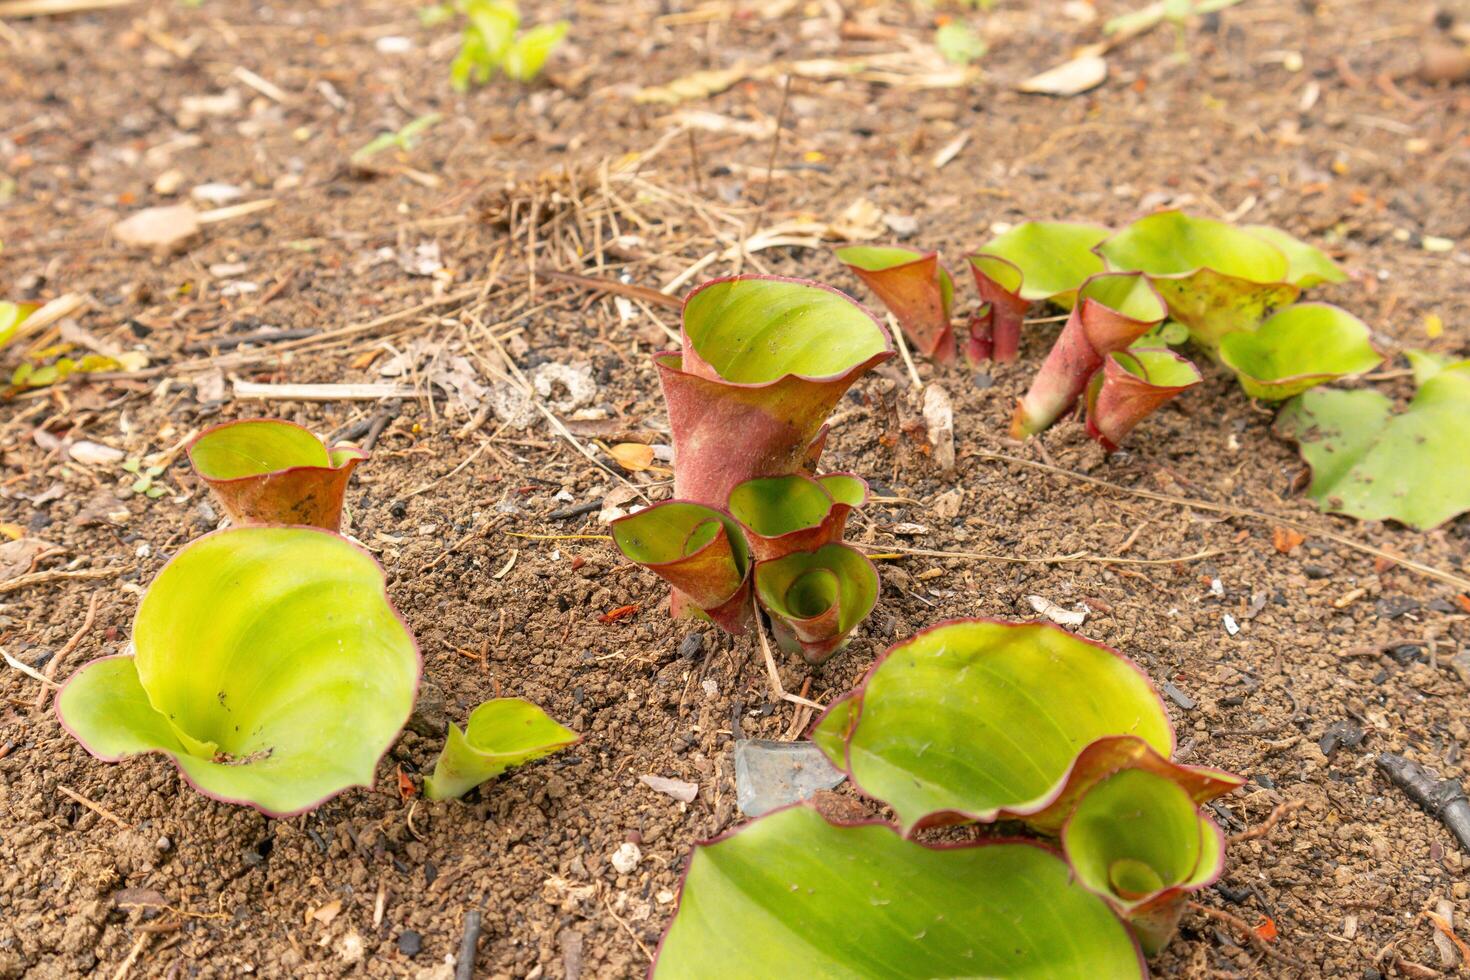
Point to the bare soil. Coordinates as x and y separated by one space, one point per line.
1306 115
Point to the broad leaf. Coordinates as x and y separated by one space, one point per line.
1131 386
915 288
698 550
270 667
782 514
817 598
1300 347
527 55
792 895
501 733
1306 265
1373 464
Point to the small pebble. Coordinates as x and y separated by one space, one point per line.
692 645
626 857
1316 571
410 942
1231 626
163 843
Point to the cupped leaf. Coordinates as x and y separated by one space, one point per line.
782 514
1373 464
1113 310
1216 278
270 667
817 598
698 550
1132 384
1306 265
270 471
1298 348
916 289
764 361
1142 843
790 893
973 719
502 732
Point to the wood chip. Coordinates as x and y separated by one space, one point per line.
1069 78
684 792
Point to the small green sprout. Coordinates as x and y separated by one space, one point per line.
145 477
959 44
404 139
493 41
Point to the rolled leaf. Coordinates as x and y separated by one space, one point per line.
932 729
817 598
270 471
1114 310
764 361
861 902
1374 464
782 514
270 666
1216 278
501 733
1300 347
1306 265
1139 841
698 550
916 289
1132 384
1033 262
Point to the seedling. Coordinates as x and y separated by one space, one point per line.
782 514
860 901
763 362
1039 261
403 139
959 44
1300 347
916 289
269 471
698 550
817 598
1131 385
269 666
494 42
145 477
1113 310
933 729
1374 464
501 733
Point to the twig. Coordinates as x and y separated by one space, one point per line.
903 348
1080 556
1248 934
1429 571
133 954
464 966
65 651
372 391
1269 824
1444 800
775 143
42 8
626 928
380 422
96 808
271 336
26 669
645 293
776 687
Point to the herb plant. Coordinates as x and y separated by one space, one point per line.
493 41
501 733
1131 386
782 514
916 289
698 550
816 598
1298 348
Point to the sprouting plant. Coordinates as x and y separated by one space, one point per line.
501 733
816 598
403 139
268 664
12 315
1111 312
144 478
1298 348
493 41
782 514
698 550
916 289
1131 386
52 364
270 471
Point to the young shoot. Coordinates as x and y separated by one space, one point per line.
1131 386
817 598
698 550
916 289
501 733
782 514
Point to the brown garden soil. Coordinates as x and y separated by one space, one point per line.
1306 115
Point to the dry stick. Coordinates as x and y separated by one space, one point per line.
133 954
1250 935
903 348
1269 824
1080 556
626 928
775 145
26 669
39 578
620 288
1444 800
776 687
96 808
464 967
65 651
1342 539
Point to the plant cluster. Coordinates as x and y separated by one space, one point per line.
762 362
266 660
493 41
973 721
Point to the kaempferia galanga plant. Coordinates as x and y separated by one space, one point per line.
916 289
267 663
501 733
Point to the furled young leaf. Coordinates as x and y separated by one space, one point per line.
501 733
932 729
270 667
916 289
698 550
1113 310
1298 348
1033 262
790 894
527 55
1132 384
1306 265
270 471
1373 464
1142 843
764 361
782 514
817 598
1216 278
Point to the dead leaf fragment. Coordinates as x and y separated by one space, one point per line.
165 229
684 792
326 913
94 453
1069 78
632 456
939 417
18 557
1060 615
1285 540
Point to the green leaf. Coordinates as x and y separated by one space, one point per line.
972 719
527 56
1170 333
495 23
270 667
817 598
915 288
501 733
1426 364
698 550
12 315
1300 347
1307 265
1373 464
782 514
792 894
403 139
959 44
1131 386
1048 260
